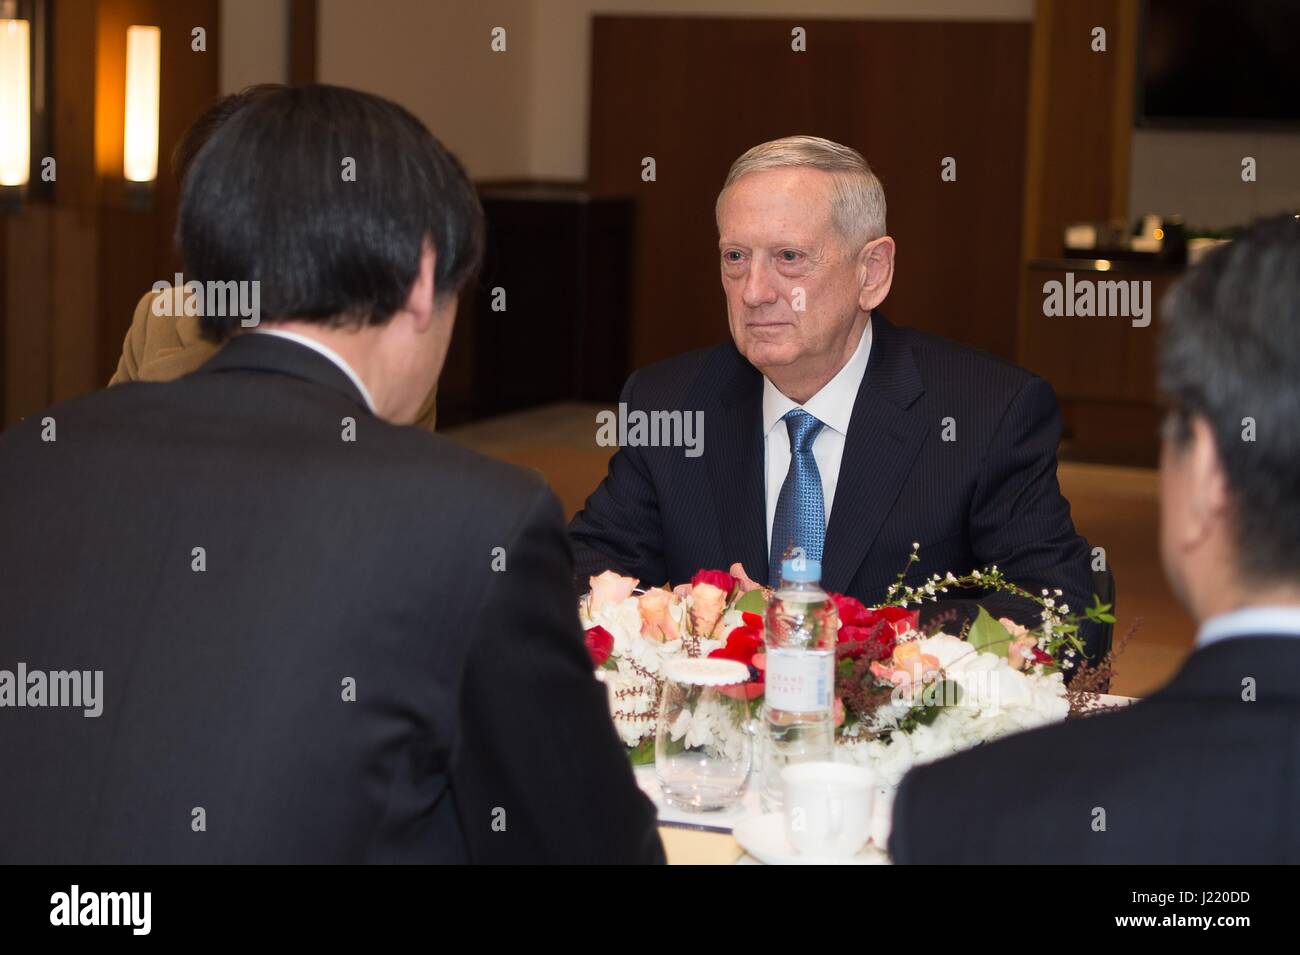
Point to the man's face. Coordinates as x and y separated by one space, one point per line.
793 282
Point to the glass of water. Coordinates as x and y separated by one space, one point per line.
703 738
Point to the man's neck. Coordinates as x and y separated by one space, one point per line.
1241 598
800 381
354 345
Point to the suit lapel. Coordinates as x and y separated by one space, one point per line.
883 441
736 468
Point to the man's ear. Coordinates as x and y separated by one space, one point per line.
1209 500
419 303
875 272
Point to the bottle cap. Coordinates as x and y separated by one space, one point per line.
705 671
801 570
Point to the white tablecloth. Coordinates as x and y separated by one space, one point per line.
725 820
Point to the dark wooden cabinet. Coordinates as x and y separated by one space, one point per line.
1102 367
548 319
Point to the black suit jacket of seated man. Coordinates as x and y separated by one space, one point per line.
1205 771
947 446
348 679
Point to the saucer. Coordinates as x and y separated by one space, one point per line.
763 837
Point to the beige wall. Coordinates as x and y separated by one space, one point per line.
435 58
254 42
1198 175
523 113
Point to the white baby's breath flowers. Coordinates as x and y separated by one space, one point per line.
993 700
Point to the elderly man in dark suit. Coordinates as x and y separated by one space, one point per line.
1208 769
827 427
313 634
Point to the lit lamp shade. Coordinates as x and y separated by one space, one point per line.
140 145
15 103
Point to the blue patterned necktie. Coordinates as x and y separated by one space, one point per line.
800 512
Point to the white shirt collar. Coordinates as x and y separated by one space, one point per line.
1250 622
833 405
329 353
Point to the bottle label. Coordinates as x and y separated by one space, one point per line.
799 682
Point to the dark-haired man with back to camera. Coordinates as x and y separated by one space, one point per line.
322 636
1207 770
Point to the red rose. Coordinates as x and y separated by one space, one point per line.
719 578
852 612
744 644
872 633
600 644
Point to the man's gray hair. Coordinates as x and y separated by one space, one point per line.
858 200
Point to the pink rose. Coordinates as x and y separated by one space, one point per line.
1016 630
742 578
609 588
707 604
908 667
656 620
1020 651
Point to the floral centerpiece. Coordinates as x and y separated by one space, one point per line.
903 695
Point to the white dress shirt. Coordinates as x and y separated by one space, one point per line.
833 406
1250 622
329 353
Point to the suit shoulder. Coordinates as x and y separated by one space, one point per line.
447 463
667 381
948 357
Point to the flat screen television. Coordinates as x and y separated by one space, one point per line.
1219 63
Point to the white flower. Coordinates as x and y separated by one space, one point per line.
993 700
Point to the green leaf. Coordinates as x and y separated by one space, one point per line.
988 636
752 602
643 754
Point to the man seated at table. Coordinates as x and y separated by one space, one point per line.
303 631
1207 769
824 426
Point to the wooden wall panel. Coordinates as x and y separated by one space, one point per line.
1077 170
1081 119
135 244
74 268
694 93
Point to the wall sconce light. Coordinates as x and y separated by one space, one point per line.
15 105
140 142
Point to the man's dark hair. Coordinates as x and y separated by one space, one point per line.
326 196
209 121
1231 352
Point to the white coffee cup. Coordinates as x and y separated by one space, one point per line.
828 808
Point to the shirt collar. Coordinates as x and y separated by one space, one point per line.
1250 622
327 352
833 405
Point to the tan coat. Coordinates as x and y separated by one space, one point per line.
165 347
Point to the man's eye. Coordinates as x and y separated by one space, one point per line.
789 255
731 256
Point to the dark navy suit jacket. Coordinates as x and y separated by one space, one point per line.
1206 771
987 496
476 731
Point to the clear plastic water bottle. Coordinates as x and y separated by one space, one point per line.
799 697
